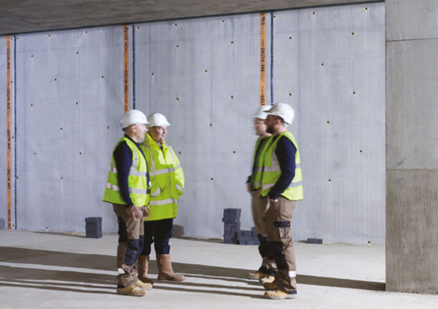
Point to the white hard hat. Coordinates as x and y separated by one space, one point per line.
157 120
261 112
133 117
283 110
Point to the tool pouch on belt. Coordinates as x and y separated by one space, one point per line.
283 228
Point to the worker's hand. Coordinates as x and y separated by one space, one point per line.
271 200
134 212
145 212
248 186
259 192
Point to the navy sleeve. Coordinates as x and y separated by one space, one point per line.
285 153
123 158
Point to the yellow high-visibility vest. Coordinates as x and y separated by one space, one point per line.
256 177
272 172
167 179
137 179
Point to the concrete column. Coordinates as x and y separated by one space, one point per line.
412 146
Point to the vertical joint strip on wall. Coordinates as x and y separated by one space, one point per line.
262 57
126 66
8 127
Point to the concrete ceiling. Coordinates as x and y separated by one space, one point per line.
21 16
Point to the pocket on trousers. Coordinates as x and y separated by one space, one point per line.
283 228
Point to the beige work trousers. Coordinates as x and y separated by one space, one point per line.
259 206
131 239
279 231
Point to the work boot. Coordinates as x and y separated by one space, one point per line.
143 266
267 279
165 271
270 286
256 275
279 294
143 285
132 290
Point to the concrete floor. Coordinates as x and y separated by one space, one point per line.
48 270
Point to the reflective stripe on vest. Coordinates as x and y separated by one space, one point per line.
272 171
167 179
117 188
256 177
137 178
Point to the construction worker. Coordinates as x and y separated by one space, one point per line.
282 185
259 205
127 189
167 180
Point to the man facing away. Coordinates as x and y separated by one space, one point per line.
127 189
167 180
259 205
282 185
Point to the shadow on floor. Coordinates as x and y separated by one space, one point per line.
92 282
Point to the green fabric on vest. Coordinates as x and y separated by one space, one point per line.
256 177
137 179
167 179
272 172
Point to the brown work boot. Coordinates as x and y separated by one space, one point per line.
144 285
165 271
267 279
270 286
256 275
279 294
132 290
143 266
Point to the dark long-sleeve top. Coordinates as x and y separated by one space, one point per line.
123 157
285 153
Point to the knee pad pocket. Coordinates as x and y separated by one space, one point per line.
283 228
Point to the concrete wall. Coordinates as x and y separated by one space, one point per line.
412 149
204 75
